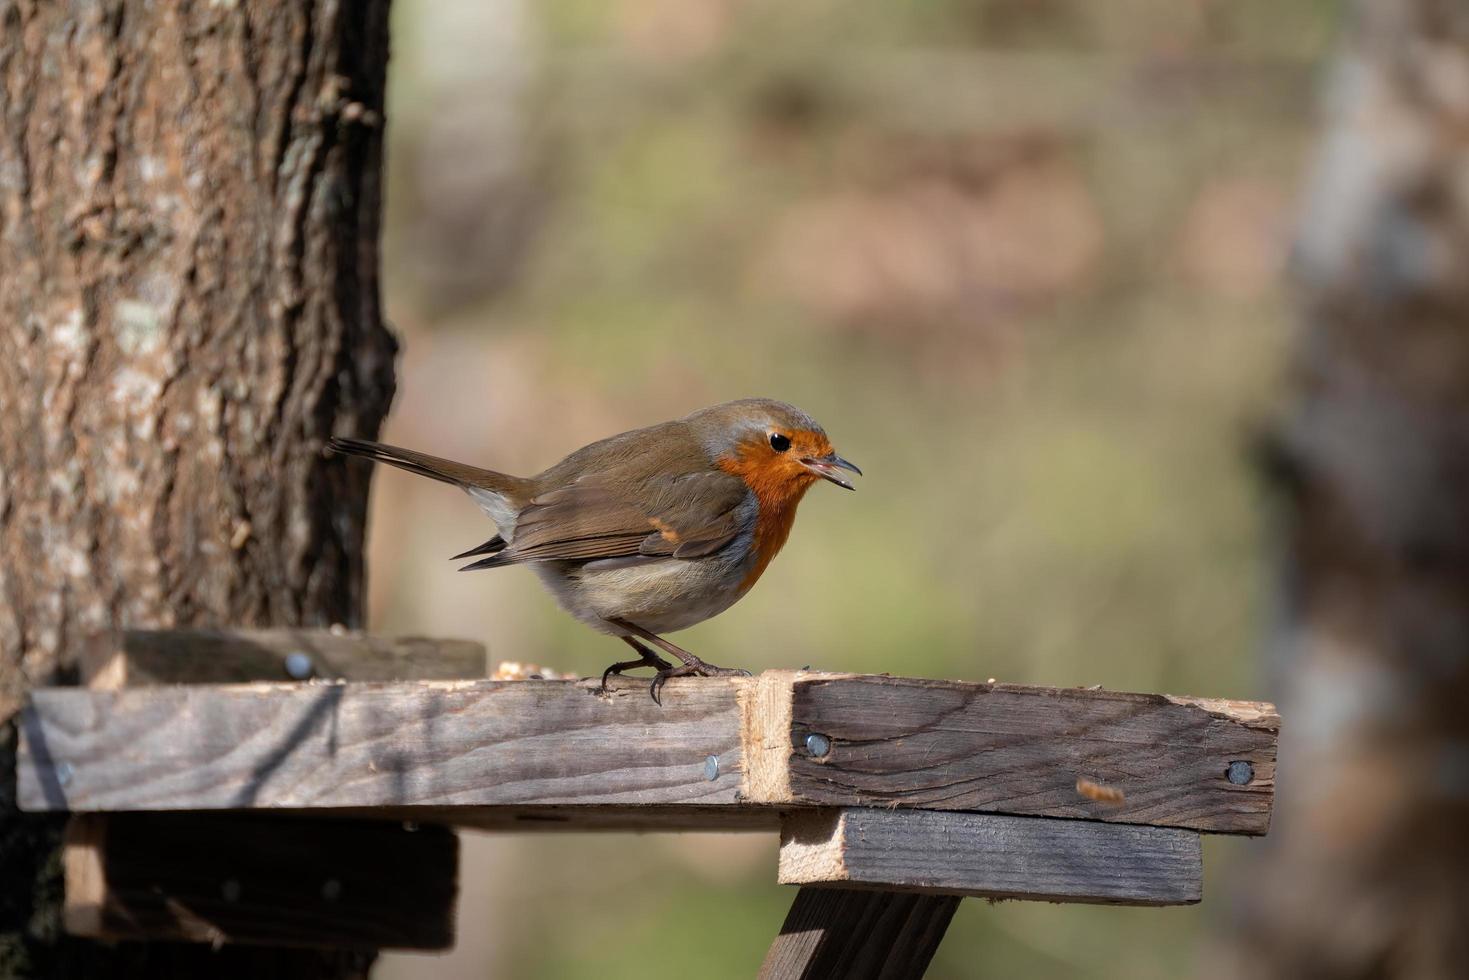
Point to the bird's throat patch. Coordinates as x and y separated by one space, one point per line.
778 483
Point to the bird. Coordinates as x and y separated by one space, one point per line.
649 531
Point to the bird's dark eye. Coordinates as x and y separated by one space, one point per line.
779 442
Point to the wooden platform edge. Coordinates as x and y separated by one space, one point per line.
133 658
995 856
781 740
1194 763
262 878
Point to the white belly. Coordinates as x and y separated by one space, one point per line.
661 596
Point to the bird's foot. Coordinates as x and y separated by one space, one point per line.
648 659
694 668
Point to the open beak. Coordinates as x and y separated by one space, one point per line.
827 466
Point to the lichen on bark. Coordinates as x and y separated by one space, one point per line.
189 208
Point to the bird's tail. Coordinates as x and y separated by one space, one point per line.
461 475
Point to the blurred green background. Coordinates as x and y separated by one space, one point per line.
1022 258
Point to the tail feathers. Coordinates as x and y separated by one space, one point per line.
491 546
446 470
494 561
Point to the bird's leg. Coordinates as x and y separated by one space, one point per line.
647 658
692 666
695 665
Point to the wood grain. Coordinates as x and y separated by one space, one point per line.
992 856
948 745
193 877
133 658
562 744
439 744
260 879
841 934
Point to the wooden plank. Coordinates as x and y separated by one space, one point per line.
426 743
840 934
260 879
989 855
884 742
948 745
133 658
194 877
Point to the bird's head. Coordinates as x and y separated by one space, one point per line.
776 448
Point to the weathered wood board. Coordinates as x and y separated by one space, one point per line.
1011 749
990 855
134 658
260 879
781 740
263 878
834 933
427 743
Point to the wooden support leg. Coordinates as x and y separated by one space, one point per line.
854 935
929 859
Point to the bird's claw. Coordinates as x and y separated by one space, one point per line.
696 669
654 661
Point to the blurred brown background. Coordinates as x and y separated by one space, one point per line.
1023 258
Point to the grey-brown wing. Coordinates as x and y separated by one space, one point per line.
687 516
698 514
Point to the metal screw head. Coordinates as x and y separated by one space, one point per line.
1239 772
299 665
711 768
64 772
331 890
230 890
817 745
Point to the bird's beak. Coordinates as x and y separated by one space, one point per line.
826 467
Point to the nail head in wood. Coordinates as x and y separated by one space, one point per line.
299 666
132 658
1240 772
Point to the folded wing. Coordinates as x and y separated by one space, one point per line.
686 516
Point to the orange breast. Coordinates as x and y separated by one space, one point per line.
778 489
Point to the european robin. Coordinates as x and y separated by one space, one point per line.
653 530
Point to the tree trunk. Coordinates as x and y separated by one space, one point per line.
1367 874
189 199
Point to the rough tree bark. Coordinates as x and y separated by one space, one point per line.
189 202
1368 870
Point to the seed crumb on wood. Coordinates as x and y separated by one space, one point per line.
514 670
1098 792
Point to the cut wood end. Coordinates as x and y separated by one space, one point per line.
765 734
85 880
1256 714
812 848
112 675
